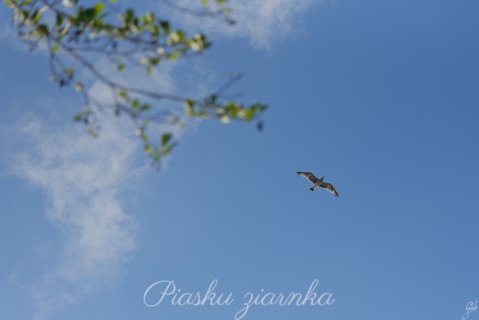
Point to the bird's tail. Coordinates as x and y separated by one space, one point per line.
312 188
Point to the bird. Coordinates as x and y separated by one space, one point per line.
318 182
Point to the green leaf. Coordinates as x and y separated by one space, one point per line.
36 16
8 3
59 20
189 105
154 61
129 14
69 72
249 114
165 138
148 148
166 149
171 56
165 25
144 136
120 66
93 133
122 93
135 104
145 107
82 116
202 114
177 36
98 7
149 17
42 30
78 117
214 98
149 70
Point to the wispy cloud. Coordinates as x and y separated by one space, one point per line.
266 22
83 179
263 22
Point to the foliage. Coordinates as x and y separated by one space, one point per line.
75 35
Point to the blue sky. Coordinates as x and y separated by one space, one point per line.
380 97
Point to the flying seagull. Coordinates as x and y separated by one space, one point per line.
318 182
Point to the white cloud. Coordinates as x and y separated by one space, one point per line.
83 178
263 22
266 22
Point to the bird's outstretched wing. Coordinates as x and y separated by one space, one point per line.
308 175
330 188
